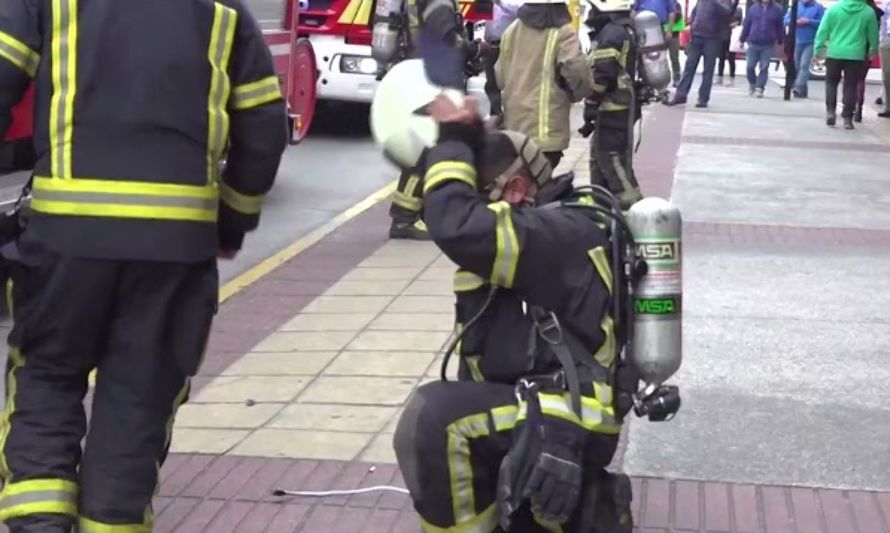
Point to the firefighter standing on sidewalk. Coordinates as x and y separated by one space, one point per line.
541 71
135 104
610 112
435 32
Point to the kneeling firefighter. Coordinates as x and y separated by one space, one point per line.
432 30
621 48
521 441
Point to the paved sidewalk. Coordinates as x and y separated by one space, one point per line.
783 427
309 367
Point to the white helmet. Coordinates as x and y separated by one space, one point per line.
399 124
611 6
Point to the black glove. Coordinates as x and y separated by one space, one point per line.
472 135
544 465
587 129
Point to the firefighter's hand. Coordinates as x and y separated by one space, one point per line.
554 485
458 121
587 129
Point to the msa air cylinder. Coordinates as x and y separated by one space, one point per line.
657 334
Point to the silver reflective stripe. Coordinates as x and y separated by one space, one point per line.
460 468
25 60
38 496
124 199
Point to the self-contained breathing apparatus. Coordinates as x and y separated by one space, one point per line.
646 311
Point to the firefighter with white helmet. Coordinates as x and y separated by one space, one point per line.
612 109
467 449
432 30
541 71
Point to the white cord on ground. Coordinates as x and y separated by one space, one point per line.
325 493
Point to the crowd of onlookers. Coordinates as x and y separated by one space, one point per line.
847 36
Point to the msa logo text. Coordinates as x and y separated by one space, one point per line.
657 306
658 251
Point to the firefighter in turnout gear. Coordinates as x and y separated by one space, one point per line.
130 209
435 33
541 71
611 111
521 440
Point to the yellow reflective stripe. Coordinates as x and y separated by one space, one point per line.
460 468
63 45
504 417
473 364
465 281
256 94
484 522
124 199
449 170
218 53
550 525
605 53
18 53
364 13
91 526
599 88
348 14
595 416
503 271
603 393
606 353
406 201
243 203
38 496
547 75
15 357
601 263
609 106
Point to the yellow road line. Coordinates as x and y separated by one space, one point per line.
256 273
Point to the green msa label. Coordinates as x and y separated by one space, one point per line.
657 306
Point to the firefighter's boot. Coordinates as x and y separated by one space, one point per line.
406 230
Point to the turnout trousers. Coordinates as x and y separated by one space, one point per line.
610 164
407 201
449 444
144 327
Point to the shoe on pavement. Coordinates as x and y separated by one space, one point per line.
879 101
884 114
675 101
857 117
731 82
416 231
701 104
831 119
848 123
751 90
759 92
719 80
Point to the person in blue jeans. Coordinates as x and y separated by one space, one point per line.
763 31
809 14
708 21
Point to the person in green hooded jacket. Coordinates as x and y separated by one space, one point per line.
849 32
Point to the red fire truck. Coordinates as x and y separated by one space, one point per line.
294 64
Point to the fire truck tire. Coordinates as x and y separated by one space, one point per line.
302 98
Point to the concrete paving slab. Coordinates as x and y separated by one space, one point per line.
329 322
414 321
778 282
764 439
391 273
367 288
348 304
713 124
226 415
380 450
297 443
359 390
422 304
333 417
411 364
219 441
409 341
829 189
241 389
293 341
280 363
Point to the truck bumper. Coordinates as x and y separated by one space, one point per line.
333 82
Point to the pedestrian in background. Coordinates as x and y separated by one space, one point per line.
672 35
809 15
727 55
847 36
504 13
884 52
866 66
707 22
665 10
762 32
